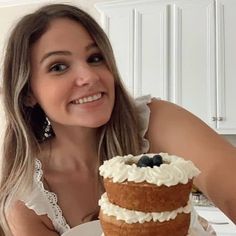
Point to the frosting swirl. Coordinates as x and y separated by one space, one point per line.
173 171
131 216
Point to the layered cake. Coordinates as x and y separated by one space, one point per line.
146 195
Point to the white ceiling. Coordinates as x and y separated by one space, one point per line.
5 3
20 2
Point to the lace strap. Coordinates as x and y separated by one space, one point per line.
141 104
55 214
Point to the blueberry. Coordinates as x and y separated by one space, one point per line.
141 165
157 160
145 161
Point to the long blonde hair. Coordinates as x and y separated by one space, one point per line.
25 127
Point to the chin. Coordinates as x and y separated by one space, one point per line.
98 122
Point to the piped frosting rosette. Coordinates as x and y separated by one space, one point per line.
132 216
174 170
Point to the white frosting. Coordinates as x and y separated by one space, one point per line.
176 170
130 216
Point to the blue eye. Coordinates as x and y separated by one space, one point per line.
96 58
59 67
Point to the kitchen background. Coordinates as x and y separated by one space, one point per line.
179 50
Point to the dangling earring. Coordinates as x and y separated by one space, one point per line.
48 128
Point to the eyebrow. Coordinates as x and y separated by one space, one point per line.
49 54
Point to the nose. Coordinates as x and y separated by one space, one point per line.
85 75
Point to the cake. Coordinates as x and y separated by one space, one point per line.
146 195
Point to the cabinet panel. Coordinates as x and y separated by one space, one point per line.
119 24
226 65
193 60
151 51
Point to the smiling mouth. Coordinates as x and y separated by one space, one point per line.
88 99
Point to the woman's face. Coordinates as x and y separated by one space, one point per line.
70 79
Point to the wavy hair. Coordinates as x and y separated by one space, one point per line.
25 127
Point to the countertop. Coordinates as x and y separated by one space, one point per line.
219 221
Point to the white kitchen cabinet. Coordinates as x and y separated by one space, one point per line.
140 49
193 57
226 65
180 50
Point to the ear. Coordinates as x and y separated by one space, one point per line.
30 100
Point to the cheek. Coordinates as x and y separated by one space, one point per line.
110 81
45 92
107 79
39 90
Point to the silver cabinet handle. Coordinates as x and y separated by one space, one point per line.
213 118
220 118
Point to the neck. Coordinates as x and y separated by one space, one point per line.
73 149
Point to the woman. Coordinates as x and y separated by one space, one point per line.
67 111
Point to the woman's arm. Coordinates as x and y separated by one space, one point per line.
176 131
25 222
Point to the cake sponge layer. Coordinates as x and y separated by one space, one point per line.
113 227
147 197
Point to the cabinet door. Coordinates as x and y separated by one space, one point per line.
226 65
151 50
138 33
118 24
193 57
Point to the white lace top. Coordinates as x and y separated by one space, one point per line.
44 202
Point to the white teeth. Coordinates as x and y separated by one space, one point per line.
87 99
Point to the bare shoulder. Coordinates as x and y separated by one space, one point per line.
24 221
174 130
